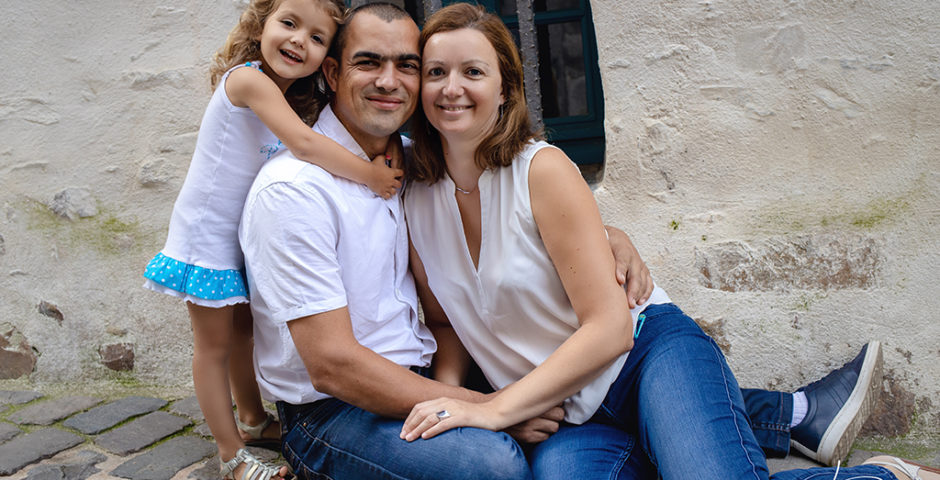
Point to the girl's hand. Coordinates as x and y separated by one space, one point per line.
383 179
430 418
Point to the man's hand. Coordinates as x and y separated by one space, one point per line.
537 429
631 270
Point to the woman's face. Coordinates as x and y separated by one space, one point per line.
460 84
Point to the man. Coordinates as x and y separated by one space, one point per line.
337 337
338 343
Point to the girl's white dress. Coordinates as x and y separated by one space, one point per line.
202 260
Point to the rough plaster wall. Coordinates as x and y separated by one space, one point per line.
101 100
777 165
800 139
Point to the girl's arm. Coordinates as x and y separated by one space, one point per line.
248 87
570 225
451 361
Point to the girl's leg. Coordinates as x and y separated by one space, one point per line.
242 376
212 346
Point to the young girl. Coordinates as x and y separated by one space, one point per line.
265 80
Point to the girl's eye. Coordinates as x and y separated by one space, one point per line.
317 39
288 23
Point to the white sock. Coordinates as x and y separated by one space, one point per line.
800 407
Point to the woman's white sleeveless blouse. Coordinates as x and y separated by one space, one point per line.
512 312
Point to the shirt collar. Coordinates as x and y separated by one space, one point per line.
330 126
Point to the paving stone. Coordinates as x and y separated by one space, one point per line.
141 432
51 411
33 447
188 407
8 431
166 459
208 471
82 467
106 416
202 429
14 397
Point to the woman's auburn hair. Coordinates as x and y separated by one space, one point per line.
513 129
243 45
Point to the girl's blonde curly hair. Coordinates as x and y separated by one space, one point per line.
243 45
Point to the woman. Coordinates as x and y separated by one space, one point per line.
517 259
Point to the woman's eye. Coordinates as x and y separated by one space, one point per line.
474 72
435 72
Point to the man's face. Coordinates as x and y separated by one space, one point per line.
376 81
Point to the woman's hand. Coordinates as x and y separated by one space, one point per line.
430 418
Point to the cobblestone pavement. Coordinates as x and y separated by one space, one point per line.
77 437
83 437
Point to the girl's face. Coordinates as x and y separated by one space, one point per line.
295 40
461 87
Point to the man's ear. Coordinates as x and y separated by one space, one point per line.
330 69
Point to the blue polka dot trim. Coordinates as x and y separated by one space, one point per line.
196 281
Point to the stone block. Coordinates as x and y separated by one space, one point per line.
33 447
16 355
809 262
189 407
80 468
101 418
117 356
166 459
8 431
17 397
141 432
51 310
51 411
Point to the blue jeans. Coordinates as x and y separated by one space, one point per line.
677 412
331 439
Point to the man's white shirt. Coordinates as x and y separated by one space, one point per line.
314 242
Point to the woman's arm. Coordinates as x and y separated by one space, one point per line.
451 361
248 87
570 225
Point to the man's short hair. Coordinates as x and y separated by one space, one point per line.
383 10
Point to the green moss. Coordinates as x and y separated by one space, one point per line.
791 217
674 225
105 233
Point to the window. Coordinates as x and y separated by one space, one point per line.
568 78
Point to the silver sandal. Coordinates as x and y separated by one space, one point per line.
911 469
254 469
256 433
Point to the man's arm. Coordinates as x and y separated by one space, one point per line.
339 366
630 270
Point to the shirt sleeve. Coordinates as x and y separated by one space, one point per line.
289 237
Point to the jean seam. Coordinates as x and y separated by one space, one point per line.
728 396
615 472
340 452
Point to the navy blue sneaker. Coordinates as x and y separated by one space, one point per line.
839 404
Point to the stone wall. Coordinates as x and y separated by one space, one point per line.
778 164
775 162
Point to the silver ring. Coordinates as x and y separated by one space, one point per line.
443 414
